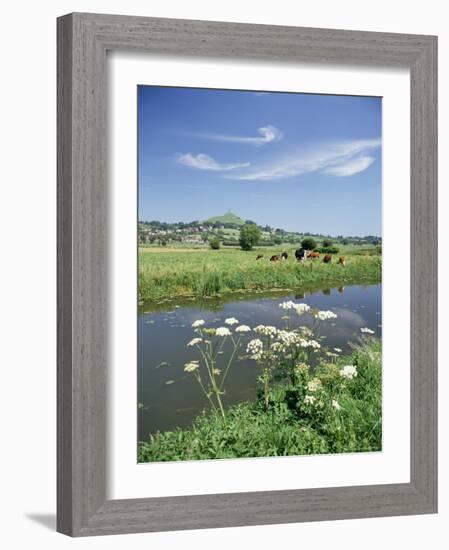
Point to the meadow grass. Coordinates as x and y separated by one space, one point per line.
166 273
289 426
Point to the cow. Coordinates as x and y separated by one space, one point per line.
341 260
259 256
300 254
313 255
327 259
275 258
284 256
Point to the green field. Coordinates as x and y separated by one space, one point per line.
166 272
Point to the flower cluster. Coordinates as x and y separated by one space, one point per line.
255 348
299 308
243 328
223 331
313 385
195 341
349 372
336 404
191 366
324 315
366 330
266 330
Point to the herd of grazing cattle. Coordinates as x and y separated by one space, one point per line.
301 255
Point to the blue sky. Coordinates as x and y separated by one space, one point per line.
300 162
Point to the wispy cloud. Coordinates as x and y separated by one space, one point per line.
267 134
351 167
336 159
205 162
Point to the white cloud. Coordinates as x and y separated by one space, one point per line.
268 134
337 159
205 162
351 167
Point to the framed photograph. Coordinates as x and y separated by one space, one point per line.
247 274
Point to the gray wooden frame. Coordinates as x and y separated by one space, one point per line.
83 40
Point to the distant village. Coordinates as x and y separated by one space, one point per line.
226 228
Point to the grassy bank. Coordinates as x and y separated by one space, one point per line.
168 273
344 416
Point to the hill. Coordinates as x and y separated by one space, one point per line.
228 218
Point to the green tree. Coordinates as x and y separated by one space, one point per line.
214 243
277 240
308 243
327 243
249 236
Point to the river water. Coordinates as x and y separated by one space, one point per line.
169 397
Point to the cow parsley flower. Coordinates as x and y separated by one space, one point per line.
191 366
223 331
198 323
309 399
216 371
367 330
313 385
336 405
324 315
243 328
195 341
287 305
309 343
266 330
301 308
349 371
231 321
255 348
338 350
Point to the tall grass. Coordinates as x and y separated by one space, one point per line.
289 426
210 272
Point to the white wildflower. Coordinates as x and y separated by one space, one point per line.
195 341
277 347
367 330
266 330
255 348
301 308
287 305
243 328
313 385
288 338
231 321
309 399
336 405
198 323
309 343
324 315
338 350
191 366
223 331
216 371
349 371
